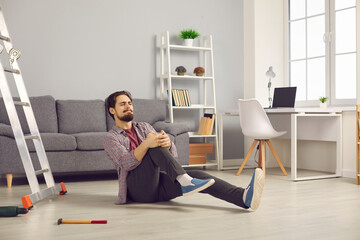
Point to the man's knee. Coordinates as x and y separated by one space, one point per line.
158 149
159 152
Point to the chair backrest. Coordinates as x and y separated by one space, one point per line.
254 122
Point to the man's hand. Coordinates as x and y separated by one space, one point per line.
163 140
152 140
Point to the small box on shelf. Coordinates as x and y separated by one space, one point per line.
198 151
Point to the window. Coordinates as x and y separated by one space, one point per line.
322 50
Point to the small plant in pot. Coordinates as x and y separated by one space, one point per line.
180 70
188 36
323 103
199 71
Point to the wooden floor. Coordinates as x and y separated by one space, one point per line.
320 209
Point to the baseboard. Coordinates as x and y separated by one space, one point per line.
237 162
349 173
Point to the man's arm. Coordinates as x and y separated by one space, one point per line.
149 142
118 153
165 142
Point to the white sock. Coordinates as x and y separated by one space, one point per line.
184 180
245 193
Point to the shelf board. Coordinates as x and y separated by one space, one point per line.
186 48
195 135
194 106
188 77
201 165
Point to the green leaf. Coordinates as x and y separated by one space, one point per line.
189 34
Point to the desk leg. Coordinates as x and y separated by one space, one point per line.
339 147
293 146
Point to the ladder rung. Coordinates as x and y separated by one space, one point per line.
11 70
41 171
31 137
25 104
4 38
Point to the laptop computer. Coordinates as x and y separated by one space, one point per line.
284 97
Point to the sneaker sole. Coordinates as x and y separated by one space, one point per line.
208 184
259 182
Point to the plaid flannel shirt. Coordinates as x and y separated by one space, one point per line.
117 147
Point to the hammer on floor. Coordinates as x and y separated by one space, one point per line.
60 221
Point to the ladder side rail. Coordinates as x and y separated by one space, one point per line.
34 130
4 32
29 114
37 194
18 133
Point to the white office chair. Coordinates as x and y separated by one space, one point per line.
255 124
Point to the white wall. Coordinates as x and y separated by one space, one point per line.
269 46
263 47
87 49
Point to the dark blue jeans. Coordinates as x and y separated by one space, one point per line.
154 180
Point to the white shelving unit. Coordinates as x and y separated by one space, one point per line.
357 144
168 77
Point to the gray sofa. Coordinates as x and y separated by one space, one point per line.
73 133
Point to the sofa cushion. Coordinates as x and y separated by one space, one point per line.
44 110
76 116
55 142
90 141
172 128
6 130
145 110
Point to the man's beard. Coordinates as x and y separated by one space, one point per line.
127 118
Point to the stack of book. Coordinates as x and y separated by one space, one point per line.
206 124
181 98
198 151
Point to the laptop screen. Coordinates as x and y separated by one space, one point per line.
284 97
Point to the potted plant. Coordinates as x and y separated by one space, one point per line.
180 70
188 36
199 71
323 103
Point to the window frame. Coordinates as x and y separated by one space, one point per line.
330 81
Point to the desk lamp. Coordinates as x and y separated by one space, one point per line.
270 74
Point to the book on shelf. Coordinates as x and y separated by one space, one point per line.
207 123
188 97
174 98
182 100
202 124
185 99
181 97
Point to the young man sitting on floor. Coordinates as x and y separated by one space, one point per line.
147 168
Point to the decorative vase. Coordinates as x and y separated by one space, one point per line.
188 42
323 105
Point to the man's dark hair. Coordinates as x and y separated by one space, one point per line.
111 100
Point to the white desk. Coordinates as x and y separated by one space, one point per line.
320 124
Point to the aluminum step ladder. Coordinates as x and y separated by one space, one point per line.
31 174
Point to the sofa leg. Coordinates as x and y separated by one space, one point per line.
9 178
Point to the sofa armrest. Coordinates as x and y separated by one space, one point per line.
6 130
172 128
